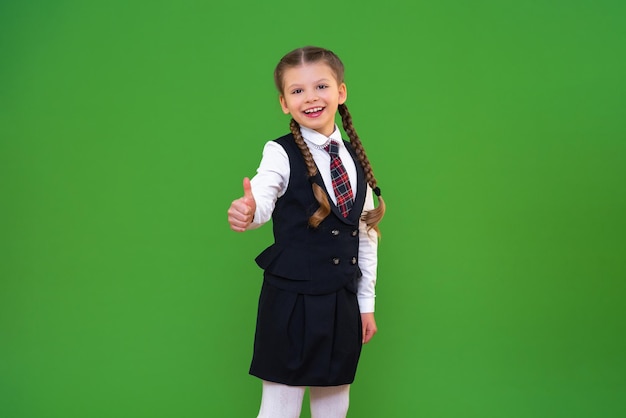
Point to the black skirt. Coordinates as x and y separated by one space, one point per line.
307 340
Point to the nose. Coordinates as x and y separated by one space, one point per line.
311 97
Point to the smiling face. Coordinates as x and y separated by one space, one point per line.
311 94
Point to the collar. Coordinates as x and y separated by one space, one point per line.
318 140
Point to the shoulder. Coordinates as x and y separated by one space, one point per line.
285 140
287 144
277 151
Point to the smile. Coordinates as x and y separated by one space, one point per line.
313 110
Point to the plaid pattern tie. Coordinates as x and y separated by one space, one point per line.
340 180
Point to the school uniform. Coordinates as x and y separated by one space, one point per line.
308 324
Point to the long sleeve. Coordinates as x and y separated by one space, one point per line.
270 182
368 260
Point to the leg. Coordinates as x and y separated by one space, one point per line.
281 401
329 401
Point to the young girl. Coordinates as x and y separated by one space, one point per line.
316 307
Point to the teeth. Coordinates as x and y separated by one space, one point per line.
315 109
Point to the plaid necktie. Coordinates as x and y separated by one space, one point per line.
340 180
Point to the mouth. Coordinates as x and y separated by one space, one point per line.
314 111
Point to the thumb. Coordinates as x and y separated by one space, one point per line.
247 191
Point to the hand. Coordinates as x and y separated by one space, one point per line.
241 211
369 326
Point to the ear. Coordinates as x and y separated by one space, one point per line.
343 93
283 104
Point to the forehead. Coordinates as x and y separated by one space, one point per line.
308 72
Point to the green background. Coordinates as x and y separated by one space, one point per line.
497 132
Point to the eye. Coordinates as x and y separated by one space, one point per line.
322 86
296 91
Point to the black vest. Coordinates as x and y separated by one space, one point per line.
311 260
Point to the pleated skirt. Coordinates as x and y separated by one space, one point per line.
307 340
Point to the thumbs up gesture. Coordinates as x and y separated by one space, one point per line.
241 211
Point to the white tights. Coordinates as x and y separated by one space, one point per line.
282 401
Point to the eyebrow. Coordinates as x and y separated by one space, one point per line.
291 86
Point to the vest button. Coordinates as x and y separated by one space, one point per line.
353 261
335 232
354 233
336 260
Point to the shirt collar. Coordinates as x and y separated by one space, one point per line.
317 139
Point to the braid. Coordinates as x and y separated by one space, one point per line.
322 212
371 217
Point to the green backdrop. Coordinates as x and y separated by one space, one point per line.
497 131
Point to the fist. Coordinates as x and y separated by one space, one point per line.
241 211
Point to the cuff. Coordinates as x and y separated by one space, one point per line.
366 304
253 224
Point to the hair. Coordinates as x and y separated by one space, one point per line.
312 54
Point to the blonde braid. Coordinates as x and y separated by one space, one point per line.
371 217
322 212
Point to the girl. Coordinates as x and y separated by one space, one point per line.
316 307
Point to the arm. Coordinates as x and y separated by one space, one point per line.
255 207
368 262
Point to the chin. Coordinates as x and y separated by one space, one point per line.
321 126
